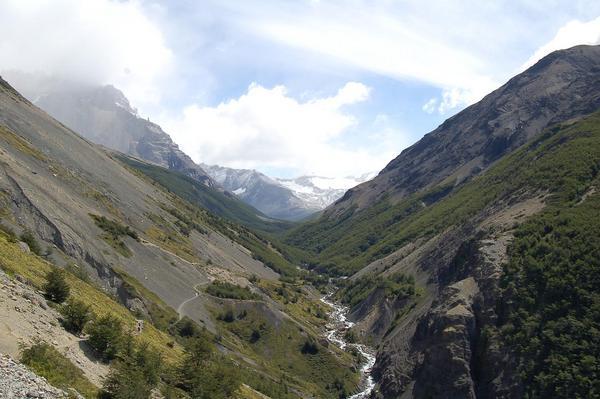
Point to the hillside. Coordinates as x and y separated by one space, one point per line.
353 232
561 86
471 280
137 245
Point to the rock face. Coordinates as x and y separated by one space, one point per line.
563 85
103 115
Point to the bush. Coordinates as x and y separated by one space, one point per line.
310 347
106 336
114 228
223 289
75 314
28 238
227 316
57 289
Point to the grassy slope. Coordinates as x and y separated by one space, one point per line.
560 157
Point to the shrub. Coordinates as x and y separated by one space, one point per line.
106 336
227 316
310 347
224 289
114 228
28 238
57 289
75 314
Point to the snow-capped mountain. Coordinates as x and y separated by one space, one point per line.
289 199
319 192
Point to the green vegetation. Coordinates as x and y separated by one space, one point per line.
561 157
113 232
134 374
223 289
75 315
551 300
9 233
56 287
35 269
205 374
47 362
280 347
396 286
106 336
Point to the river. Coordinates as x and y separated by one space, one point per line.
336 329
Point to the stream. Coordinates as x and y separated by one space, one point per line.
336 329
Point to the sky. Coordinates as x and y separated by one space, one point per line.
306 87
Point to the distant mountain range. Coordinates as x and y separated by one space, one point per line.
105 116
288 199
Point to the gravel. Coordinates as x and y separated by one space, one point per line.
16 381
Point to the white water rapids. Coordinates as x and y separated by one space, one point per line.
336 329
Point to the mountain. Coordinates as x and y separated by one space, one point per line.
287 199
468 257
261 192
158 273
104 115
319 192
557 88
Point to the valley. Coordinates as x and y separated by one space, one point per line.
467 268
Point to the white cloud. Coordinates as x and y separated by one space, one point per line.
95 41
571 34
401 44
269 129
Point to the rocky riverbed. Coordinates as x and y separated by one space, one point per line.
337 327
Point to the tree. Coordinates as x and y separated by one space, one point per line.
57 289
134 374
205 374
75 314
106 336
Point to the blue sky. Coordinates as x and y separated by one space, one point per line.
327 87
